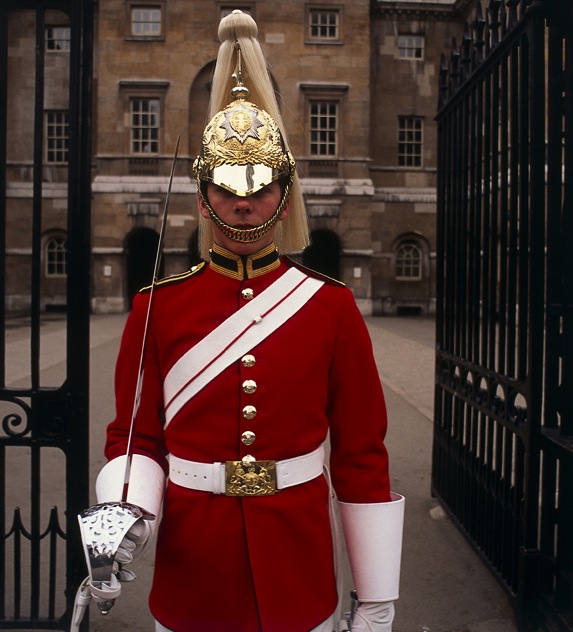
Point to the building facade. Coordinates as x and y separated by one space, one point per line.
358 82
408 39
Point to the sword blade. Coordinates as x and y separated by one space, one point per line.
139 383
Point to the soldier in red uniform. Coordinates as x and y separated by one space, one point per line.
252 363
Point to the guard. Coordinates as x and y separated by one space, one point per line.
252 363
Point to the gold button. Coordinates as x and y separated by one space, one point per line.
249 386
249 412
248 361
247 294
248 437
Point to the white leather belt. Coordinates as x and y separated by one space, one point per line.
247 477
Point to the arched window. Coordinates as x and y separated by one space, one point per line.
56 257
408 261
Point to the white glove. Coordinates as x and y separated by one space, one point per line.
134 542
374 616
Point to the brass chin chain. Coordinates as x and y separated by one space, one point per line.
247 235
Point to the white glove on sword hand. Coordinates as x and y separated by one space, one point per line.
134 542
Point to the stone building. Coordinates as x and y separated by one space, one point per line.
407 40
359 85
25 224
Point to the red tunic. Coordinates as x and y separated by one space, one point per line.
264 563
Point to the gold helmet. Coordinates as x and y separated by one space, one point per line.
243 150
244 147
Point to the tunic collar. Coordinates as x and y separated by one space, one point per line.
242 267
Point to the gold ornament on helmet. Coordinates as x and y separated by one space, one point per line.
243 150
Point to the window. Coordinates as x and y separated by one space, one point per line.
410 46
146 21
144 126
56 257
323 128
324 114
57 135
142 103
57 39
408 262
324 24
410 132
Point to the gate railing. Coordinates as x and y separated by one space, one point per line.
503 435
43 428
556 542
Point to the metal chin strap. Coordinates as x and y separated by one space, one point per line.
246 235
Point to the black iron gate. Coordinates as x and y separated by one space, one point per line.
503 436
44 183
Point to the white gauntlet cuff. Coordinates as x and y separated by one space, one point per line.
146 483
373 533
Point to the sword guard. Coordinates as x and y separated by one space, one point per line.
102 528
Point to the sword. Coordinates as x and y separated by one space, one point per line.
139 384
104 526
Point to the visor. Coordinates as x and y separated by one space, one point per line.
243 180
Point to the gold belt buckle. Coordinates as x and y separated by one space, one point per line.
250 477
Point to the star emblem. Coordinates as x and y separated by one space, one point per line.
241 123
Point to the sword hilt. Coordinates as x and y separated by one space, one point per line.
102 528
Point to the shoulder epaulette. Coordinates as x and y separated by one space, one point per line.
177 278
313 273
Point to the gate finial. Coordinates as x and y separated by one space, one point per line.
494 23
443 96
454 66
479 28
466 52
512 6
